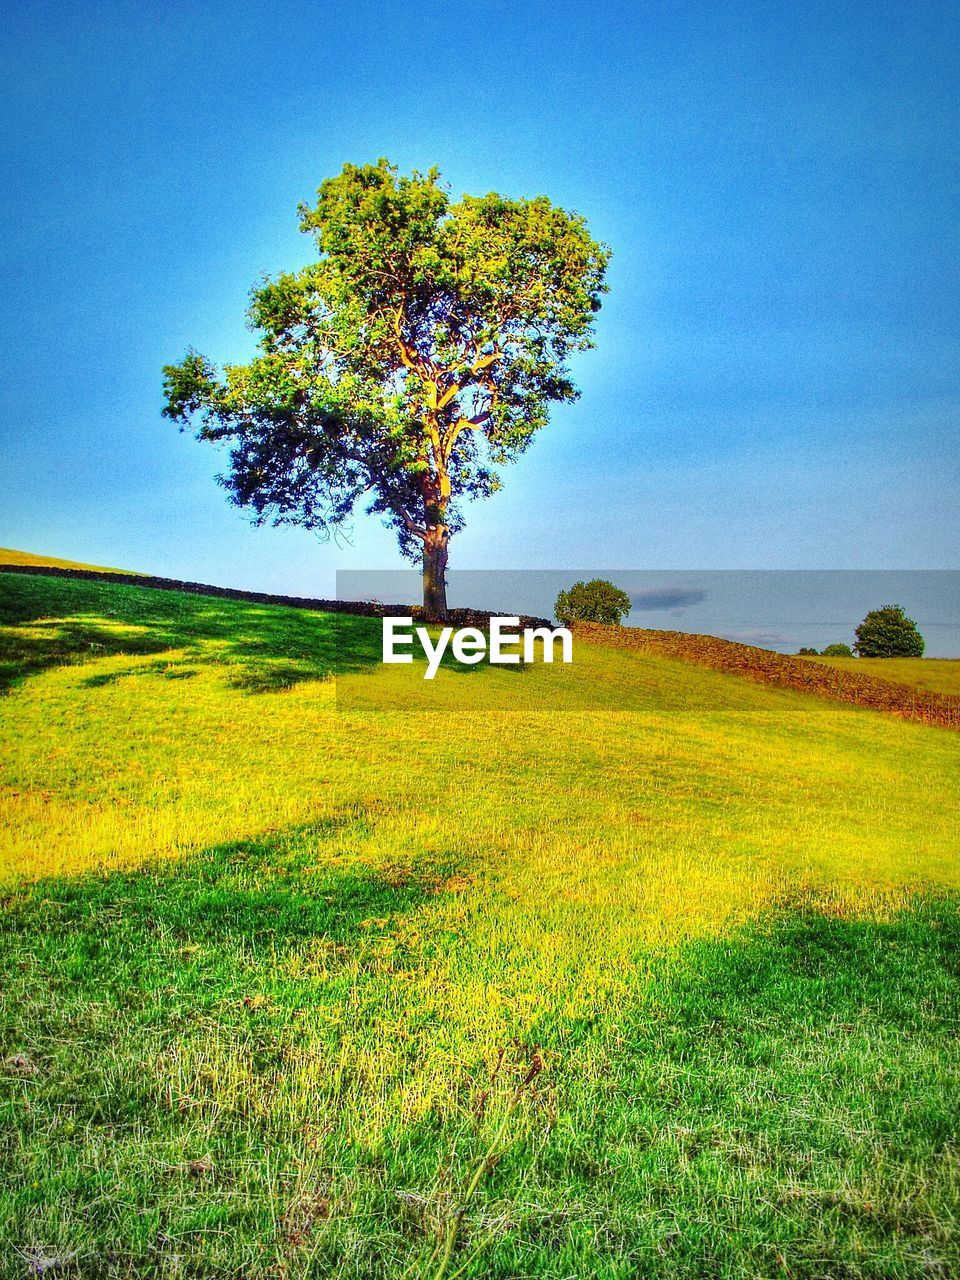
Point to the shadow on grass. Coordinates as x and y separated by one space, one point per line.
786 1093
55 622
804 968
790 1091
50 622
276 890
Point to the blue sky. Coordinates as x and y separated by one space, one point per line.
775 383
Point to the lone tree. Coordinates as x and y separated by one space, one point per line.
595 601
416 355
888 633
838 650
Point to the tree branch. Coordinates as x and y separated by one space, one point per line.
380 481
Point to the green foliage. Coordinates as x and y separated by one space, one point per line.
806 652
837 651
888 633
594 601
416 355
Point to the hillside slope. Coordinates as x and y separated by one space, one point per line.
310 967
848 682
937 675
8 556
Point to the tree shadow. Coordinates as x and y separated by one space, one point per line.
51 622
164 671
818 1052
275 890
798 967
756 1081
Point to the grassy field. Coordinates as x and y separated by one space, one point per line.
938 675
307 968
9 556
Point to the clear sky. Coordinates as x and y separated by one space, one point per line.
776 378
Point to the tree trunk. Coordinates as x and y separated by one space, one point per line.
435 576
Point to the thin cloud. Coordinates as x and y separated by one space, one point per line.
673 598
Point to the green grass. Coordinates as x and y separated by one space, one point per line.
9 556
937 675
274 917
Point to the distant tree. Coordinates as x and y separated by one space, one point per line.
594 601
888 633
806 652
416 355
838 651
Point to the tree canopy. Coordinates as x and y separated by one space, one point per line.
888 633
595 601
415 357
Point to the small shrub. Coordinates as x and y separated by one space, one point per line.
595 601
838 651
807 652
888 633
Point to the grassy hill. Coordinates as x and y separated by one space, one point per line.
856 682
9 556
937 675
309 968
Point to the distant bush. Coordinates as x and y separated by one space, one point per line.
888 633
596 601
807 652
838 651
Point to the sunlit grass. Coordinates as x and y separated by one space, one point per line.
289 910
134 750
9 556
938 675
